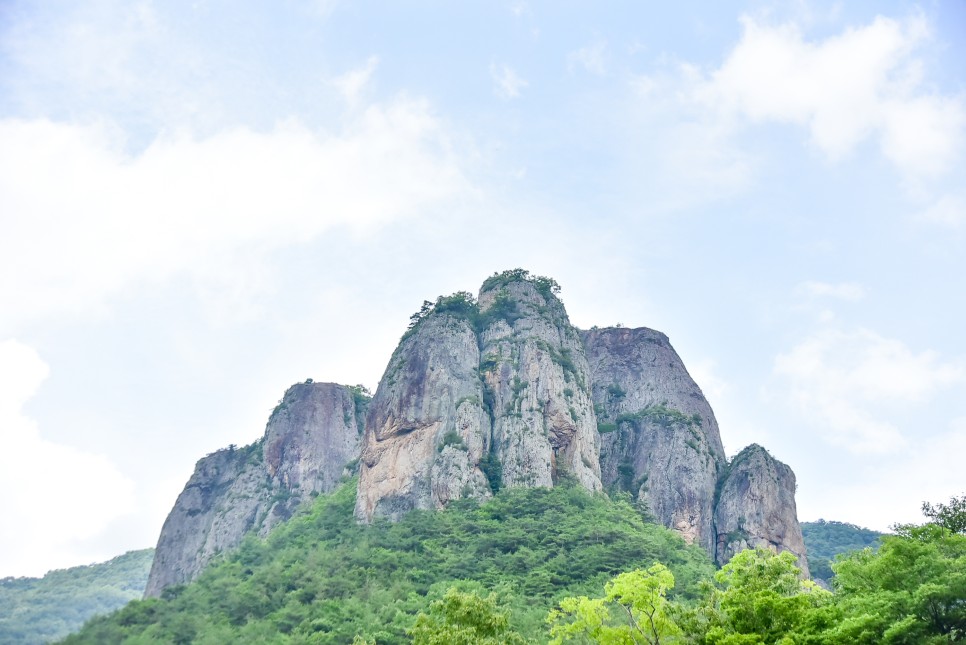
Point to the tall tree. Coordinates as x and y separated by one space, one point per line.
951 517
634 609
464 619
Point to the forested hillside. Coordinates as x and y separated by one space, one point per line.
562 565
38 610
323 578
825 540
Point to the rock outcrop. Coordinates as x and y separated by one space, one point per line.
659 436
426 431
538 384
497 390
312 435
480 394
756 507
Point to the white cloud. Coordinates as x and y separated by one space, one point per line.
697 159
507 84
82 219
891 490
863 83
590 57
519 8
352 83
841 291
705 374
54 495
948 210
841 380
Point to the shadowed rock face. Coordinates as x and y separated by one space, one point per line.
310 438
756 507
426 430
659 436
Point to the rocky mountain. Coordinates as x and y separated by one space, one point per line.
479 396
311 436
659 436
756 507
485 392
427 430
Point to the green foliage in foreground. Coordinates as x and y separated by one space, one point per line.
951 517
912 591
634 609
825 540
521 568
38 610
321 578
464 619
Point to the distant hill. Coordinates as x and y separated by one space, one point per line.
39 610
825 540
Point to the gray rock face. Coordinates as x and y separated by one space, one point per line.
756 507
538 386
496 391
310 438
426 430
659 436
446 410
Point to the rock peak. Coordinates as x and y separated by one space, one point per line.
485 392
312 435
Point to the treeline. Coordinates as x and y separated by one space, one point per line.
38 610
538 565
322 578
911 591
826 539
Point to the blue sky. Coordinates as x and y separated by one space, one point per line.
203 203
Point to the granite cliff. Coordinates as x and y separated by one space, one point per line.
311 436
659 436
488 391
480 394
756 507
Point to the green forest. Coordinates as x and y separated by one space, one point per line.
540 565
38 610
827 539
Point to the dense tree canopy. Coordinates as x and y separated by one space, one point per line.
827 539
322 578
525 567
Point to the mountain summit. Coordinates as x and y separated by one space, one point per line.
485 392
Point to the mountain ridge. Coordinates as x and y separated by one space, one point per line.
492 391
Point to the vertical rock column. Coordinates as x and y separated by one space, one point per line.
426 429
537 387
756 507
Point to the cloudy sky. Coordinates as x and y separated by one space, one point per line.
204 202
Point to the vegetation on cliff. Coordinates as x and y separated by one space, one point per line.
528 566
